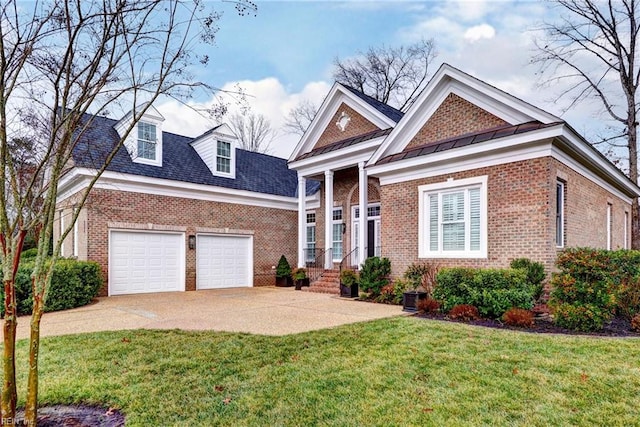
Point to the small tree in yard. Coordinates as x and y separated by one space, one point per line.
62 63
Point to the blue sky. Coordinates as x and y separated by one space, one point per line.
285 53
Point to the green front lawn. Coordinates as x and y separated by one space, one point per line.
401 371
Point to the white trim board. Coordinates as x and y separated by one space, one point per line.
79 178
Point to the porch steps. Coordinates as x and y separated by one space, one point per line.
327 283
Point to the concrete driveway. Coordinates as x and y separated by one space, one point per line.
266 311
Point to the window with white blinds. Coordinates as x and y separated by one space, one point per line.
453 219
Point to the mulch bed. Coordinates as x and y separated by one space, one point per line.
617 327
77 416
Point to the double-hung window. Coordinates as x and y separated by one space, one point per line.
223 157
147 141
453 219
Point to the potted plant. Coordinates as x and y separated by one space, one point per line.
300 278
283 272
421 278
348 284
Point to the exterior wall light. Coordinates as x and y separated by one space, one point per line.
192 242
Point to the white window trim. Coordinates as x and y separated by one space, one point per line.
423 217
75 235
334 222
609 226
61 232
232 153
626 230
560 244
158 160
306 236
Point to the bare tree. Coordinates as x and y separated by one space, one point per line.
253 130
300 117
62 63
393 75
591 52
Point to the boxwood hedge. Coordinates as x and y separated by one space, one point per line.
74 284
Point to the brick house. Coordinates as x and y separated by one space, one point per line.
468 175
174 213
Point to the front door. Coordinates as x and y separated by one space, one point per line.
373 230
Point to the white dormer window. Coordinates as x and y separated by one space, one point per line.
143 139
217 148
147 141
223 157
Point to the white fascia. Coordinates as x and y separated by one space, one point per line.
79 178
504 150
338 159
585 151
336 96
451 80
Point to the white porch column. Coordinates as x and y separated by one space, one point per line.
363 205
328 218
302 220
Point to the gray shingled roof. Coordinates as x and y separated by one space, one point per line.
255 172
385 109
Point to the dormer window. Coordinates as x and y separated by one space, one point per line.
147 141
143 138
217 148
223 157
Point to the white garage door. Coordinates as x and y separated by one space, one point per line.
224 261
141 262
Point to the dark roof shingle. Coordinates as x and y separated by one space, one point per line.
385 109
255 172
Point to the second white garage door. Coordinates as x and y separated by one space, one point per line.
224 261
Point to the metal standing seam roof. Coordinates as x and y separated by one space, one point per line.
255 172
464 140
345 143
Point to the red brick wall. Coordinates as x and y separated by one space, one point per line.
521 215
454 117
586 211
274 230
357 126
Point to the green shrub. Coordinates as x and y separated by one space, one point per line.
628 298
374 275
283 269
392 293
29 254
73 284
348 277
535 274
580 317
492 291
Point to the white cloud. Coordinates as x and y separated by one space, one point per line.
482 31
268 97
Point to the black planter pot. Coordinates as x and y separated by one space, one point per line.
301 282
349 291
283 282
410 300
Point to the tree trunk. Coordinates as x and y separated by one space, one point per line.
9 391
632 128
31 408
